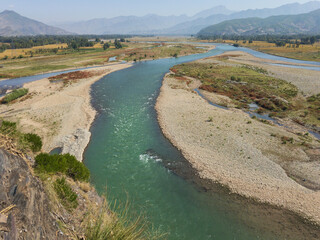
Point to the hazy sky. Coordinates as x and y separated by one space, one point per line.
74 10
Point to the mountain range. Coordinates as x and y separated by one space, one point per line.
12 24
180 25
307 23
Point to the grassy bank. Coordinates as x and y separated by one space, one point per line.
245 84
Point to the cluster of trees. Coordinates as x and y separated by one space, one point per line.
73 41
106 46
309 40
279 40
117 44
80 42
30 41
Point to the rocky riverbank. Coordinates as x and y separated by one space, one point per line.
246 155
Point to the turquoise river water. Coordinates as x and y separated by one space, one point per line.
129 154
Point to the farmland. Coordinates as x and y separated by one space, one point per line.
46 60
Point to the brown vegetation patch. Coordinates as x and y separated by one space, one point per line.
227 56
73 77
181 78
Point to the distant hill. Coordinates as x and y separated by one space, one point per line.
193 26
287 9
124 24
308 23
218 10
13 24
177 25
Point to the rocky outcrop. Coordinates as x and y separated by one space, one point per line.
76 143
24 206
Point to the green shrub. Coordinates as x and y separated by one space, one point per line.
9 128
17 93
33 140
65 163
25 141
76 169
65 193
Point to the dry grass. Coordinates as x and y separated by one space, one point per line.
26 51
84 186
115 223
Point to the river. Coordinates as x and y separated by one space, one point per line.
129 154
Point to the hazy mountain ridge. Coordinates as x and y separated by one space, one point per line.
13 24
213 11
154 24
308 23
194 26
124 24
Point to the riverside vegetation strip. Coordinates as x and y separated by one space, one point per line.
92 56
266 162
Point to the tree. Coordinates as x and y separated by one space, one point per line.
106 46
117 44
312 40
74 45
280 43
122 40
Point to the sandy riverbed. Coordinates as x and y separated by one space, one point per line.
243 154
61 115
